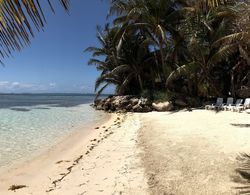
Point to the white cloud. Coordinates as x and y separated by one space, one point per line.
26 85
52 85
6 86
4 83
15 85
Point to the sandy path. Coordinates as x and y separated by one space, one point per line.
113 168
193 152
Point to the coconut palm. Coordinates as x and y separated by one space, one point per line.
196 46
203 29
158 18
104 58
240 37
18 19
126 68
155 18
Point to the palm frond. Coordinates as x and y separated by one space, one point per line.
182 70
223 53
240 36
179 14
17 20
96 62
121 88
101 90
244 54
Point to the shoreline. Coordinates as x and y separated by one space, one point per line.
76 128
196 149
65 151
29 131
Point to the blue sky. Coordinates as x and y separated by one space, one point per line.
55 61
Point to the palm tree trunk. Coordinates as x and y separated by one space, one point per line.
232 84
162 62
232 80
195 92
140 82
160 44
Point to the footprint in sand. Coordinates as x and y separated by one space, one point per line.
17 187
61 161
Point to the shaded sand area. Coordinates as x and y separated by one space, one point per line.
153 153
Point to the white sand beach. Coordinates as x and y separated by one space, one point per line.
153 153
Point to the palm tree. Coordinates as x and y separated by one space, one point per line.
17 20
104 58
124 68
153 17
192 45
203 69
240 37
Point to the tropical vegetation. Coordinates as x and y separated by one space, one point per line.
179 48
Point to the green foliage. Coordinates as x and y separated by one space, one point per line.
161 96
165 49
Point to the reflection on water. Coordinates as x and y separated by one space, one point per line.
29 124
20 109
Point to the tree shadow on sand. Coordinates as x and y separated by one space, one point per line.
242 176
240 125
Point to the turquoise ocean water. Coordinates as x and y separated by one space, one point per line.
30 124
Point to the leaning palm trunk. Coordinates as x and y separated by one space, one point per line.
233 91
140 82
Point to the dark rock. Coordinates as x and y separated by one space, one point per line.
129 107
134 101
96 102
137 108
180 102
124 104
99 107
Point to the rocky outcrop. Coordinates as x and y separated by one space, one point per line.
124 104
130 103
163 106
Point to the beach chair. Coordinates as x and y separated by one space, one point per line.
230 102
217 105
236 105
241 107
